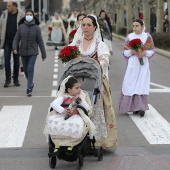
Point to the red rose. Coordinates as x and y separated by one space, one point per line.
68 53
50 28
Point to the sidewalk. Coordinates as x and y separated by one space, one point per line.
157 50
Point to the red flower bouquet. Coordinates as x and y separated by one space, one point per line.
71 35
136 44
50 28
68 53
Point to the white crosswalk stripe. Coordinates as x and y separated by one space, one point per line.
153 126
13 125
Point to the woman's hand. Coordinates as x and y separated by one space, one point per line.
140 55
15 51
134 52
103 62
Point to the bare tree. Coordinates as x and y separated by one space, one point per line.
120 15
168 1
146 10
129 15
160 15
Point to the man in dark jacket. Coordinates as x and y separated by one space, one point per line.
8 27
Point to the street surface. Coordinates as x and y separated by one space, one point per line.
143 143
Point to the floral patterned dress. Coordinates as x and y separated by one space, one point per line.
103 113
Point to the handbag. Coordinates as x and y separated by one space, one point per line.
1 58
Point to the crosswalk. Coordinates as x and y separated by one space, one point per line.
13 127
14 121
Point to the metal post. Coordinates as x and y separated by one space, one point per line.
39 10
44 9
32 4
19 4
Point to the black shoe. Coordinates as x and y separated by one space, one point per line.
29 92
7 83
56 48
141 113
136 112
16 83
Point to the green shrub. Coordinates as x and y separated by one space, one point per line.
122 31
161 40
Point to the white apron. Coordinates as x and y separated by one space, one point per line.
137 77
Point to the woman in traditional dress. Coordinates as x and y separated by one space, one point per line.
136 83
58 33
106 31
88 40
71 22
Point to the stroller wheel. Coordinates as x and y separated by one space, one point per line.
100 153
79 162
52 162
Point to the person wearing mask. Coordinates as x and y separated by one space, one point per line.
29 37
8 27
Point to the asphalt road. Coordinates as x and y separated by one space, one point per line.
135 150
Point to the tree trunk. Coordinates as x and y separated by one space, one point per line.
160 15
120 16
129 15
136 12
168 1
146 11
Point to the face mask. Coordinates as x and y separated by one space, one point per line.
29 18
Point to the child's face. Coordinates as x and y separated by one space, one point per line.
137 28
75 90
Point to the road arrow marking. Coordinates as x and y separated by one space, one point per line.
163 89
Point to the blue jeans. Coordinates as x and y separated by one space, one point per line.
28 65
7 56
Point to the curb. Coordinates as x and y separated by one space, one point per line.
157 50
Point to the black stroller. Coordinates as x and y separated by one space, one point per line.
88 72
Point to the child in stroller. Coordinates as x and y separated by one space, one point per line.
69 136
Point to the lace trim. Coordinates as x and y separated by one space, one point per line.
94 51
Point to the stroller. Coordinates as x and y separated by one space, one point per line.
88 72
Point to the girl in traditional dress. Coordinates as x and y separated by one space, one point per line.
88 40
71 130
136 83
58 32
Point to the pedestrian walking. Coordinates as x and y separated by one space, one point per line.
152 21
29 37
106 29
89 42
138 49
8 27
